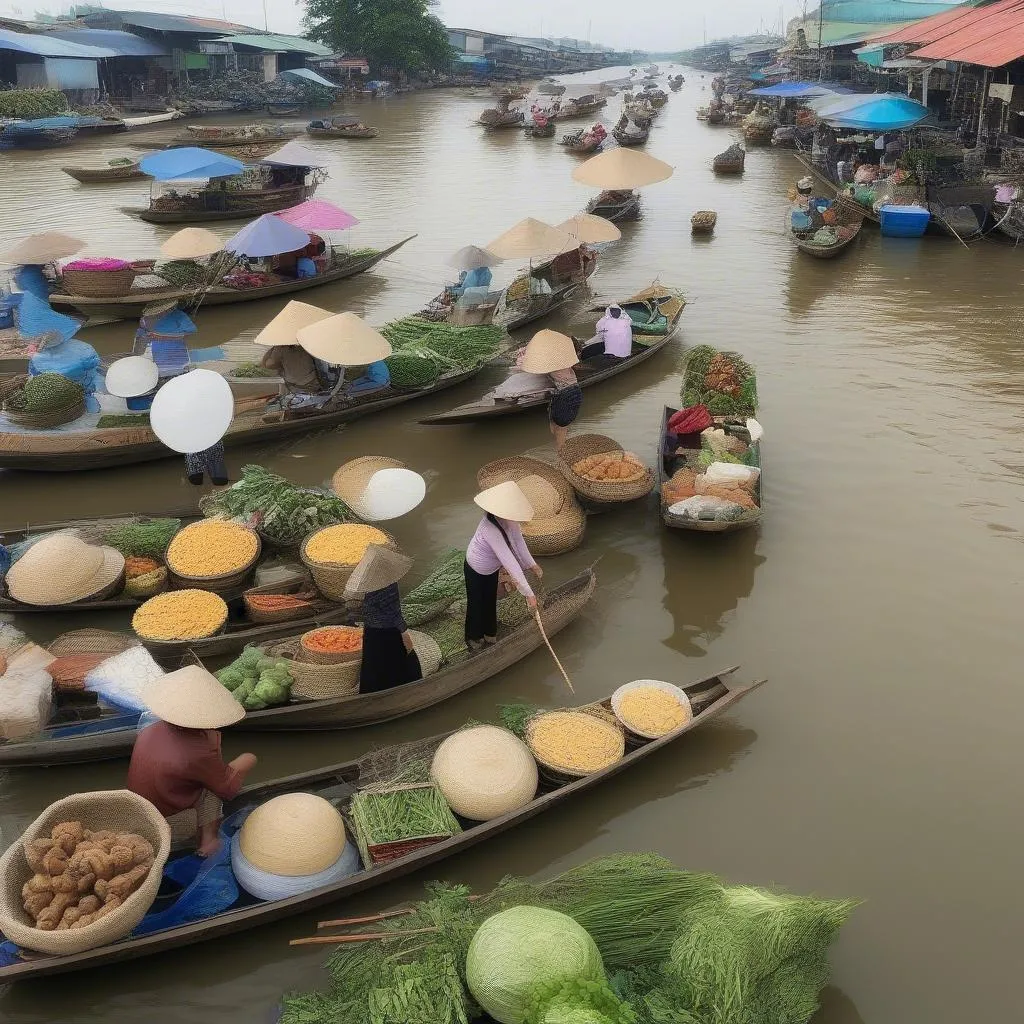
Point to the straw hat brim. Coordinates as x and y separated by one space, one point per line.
292 835
193 698
43 248
40 590
284 328
191 244
549 351
344 340
379 567
506 501
350 480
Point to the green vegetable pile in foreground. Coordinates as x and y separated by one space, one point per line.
672 947
723 381
147 539
424 349
257 681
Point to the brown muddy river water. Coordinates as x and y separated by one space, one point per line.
881 597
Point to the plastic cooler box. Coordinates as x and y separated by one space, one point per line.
904 221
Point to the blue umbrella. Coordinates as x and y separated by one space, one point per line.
189 162
267 236
871 112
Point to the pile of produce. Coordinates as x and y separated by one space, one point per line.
81 876
723 381
651 711
627 939
212 547
257 681
135 566
31 104
251 370
147 539
269 604
43 393
408 370
446 346
443 586
180 615
344 544
184 273
281 511
402 815
574 741
611 467
333 640
111 420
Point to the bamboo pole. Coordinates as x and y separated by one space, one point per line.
540 626
327 940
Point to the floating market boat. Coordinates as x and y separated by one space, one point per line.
341 128
827 242
669 463
215 202
283 109
130 306
583 141
68 451
544 289
709 698
703 222
656 314
616 206
966 212
631 138
579 106
114 735
125 171
840 192
731 161
231 136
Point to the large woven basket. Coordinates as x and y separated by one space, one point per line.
91 641
301 588
46 418
148 585
99 284
580 446
120 810
560 771
316 682
331 578
428 650
313 657
223 583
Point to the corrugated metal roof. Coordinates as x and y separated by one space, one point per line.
47 46
279 44
928 30
178 23
994 36
124 44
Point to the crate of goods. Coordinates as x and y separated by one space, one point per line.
332 554
396 821
904 221
213 554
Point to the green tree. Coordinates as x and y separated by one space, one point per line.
401 34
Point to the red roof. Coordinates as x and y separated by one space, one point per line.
991 36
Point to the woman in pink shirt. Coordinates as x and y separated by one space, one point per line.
497 544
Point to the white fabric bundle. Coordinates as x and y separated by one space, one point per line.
703 505
126 679
26 694
519 384
730 474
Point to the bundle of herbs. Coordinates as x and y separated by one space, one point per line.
398 814
443 586
723 381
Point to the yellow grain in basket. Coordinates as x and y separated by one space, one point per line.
574 741
651 711
180 615
344 544
211 547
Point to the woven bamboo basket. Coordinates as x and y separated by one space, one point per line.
703 222
301 588
562 770
331 578
558 534
91 641
48 418
148 585
223 583
99 284
602 492
316 682
315 657
10 385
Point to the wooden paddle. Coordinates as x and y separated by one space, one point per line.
540 626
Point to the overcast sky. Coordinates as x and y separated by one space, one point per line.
638 24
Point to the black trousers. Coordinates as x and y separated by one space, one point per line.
386 662
481 604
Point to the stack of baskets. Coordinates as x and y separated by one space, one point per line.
559 522
315 680
331 577
600 494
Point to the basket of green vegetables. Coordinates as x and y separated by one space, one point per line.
395 821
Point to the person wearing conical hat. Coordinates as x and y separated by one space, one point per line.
497 544
555 354
389 658
176 762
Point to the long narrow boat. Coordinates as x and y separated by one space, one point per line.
836 190
130 306
115 172
666 467
709 697
218 204
113 736
67 451
847 218
965 212
623 207
591 372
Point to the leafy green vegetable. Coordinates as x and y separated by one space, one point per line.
108 420
444 585
147 539
257 681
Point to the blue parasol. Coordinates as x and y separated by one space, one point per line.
189 162
871 112
267 236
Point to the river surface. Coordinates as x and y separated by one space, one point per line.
881 597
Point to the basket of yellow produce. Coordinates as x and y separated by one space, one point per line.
214 554
650 708
600 471
332 554
180 615
573 743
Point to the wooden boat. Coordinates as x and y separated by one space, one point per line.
849 219
628 138
669 463
213 140
1010 220
591 372
582 106
703 222
709 697
214 203
128 307
495 120
66 451
839 191
616 206
716 117
537 131
115 172
731 161
514 311
965 212
282 109
582 142
113 737
352 131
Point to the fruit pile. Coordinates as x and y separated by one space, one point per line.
611 467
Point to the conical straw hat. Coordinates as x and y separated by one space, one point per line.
191 244
344 340
532 238
293 834
194 699
350 480
622 168
506 501
587 228
378 568
549 351
469 257
284 328
61 569
44 248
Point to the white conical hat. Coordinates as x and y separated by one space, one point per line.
622 168
549 351
585 227
132 376
44 248
506 501
194 699
293 834
191 244
193 411
344 340
531 238
284 328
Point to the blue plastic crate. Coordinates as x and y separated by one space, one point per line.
904 221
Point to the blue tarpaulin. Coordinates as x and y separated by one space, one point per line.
881 112
267 236
49 46
307 75
790 90
189 162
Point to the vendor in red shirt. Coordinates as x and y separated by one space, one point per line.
177 763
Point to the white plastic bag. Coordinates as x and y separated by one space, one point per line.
520 384
730 474
126 679
755 429
703 506
26 694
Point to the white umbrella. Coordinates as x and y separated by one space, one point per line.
192 412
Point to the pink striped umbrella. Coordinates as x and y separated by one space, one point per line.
318 215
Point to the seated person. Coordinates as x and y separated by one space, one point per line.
295 365
305 267
613 336
478 277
